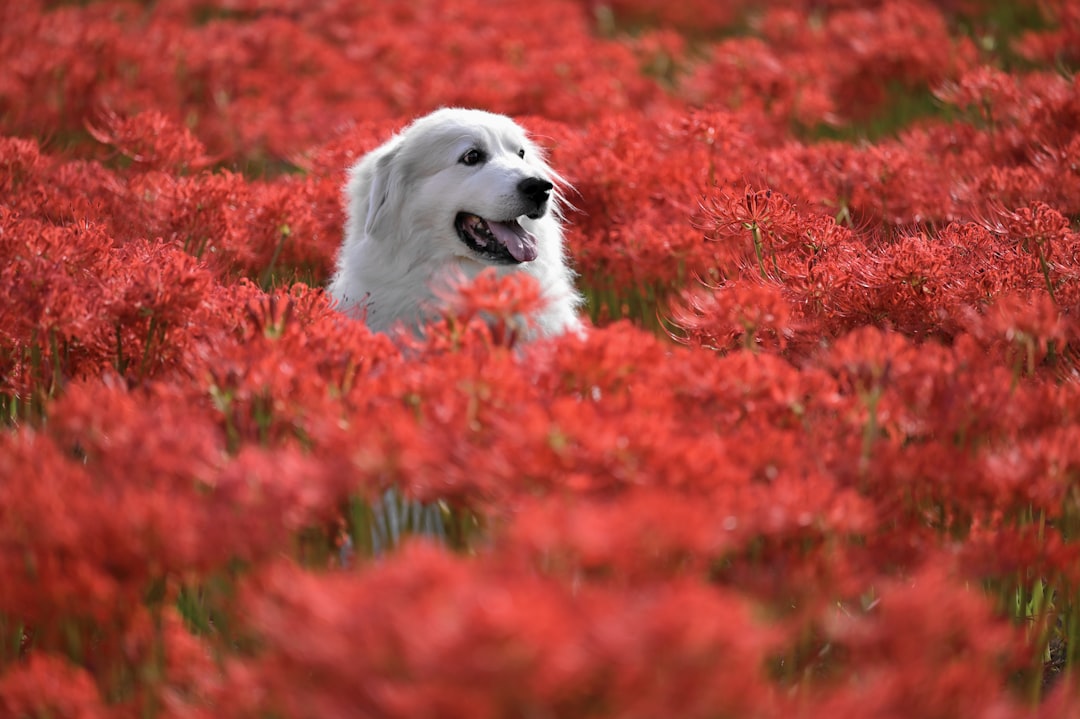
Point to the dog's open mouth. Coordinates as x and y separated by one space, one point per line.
505 243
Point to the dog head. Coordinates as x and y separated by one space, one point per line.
453 193
469 182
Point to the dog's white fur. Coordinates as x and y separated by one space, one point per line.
401 247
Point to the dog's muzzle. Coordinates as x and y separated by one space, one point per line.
506 242
501 243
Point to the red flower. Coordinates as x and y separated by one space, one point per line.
151 141
737 313
959 671
499 305
49 686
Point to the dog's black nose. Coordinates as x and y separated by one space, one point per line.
535 189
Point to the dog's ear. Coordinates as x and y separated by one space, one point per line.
385 193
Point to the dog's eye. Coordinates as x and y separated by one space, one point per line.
472 157
521 153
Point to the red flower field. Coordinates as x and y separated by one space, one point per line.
818 455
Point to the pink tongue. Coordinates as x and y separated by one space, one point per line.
520 242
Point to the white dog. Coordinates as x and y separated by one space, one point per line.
455 192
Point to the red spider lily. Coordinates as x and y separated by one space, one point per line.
505 641
1027 332
19 159
632 225
988 91
1043 234
749 75
189 677
96 58
53 321
501 304
119 499
158 290
652 534
52 583
264 230
732 315
751 224
829 72
964 659
908 42
150 140
996 550
1057 44
293 364
919 412
691 17
50 686
1029 126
